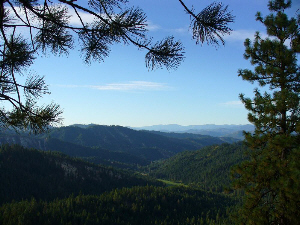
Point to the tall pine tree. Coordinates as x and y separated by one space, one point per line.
271 178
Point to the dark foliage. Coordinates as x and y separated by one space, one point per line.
271 177
111 145
137 205
208 168
48 175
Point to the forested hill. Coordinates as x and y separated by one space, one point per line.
204 140
127 206
109 144
125 139
40 187
27 174
208 168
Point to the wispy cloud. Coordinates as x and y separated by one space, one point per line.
152 27
88 18
20 13
74 19
241 35
128 86
182 30
132 85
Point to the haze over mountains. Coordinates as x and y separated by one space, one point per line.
226 130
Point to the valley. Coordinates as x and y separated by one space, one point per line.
113 145
117 175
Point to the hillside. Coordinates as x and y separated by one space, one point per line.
203 140
129 206
48 175
110 145
96 155
119 138
207 168
55 186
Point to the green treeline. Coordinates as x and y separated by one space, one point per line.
207 168
137 205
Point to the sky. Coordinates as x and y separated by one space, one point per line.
122 91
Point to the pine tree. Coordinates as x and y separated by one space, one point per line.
271 178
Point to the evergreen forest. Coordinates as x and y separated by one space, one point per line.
68 187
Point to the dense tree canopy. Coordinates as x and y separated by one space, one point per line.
46 28
207 168
27 173
147 205
271 177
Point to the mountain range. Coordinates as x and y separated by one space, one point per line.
112 145
234 131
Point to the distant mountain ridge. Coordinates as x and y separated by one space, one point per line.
112 145
234 131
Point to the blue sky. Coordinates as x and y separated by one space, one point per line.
122 91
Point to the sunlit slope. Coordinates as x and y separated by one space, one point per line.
207 168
